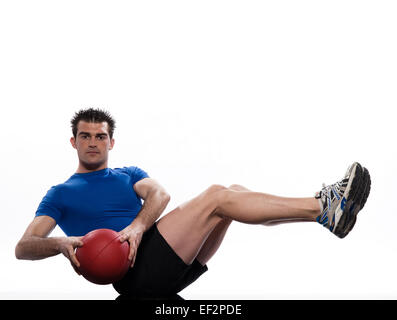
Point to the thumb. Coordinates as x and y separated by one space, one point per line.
123 237
79 242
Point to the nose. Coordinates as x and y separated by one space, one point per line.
92 142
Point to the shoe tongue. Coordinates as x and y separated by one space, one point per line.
323 198
319 194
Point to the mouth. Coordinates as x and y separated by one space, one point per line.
92 152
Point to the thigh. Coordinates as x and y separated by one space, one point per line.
187 227
158 271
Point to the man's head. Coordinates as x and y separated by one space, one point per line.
92 138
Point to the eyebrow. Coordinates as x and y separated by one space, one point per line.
88 134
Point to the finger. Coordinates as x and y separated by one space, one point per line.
75 269
73 258
133 260
123 237
132 253
80 241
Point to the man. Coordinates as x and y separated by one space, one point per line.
168 254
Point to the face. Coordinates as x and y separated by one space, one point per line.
93 144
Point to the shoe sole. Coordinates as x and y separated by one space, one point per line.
356 196
351 195
367 189
358 207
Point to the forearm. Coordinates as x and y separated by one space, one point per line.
152 208
36 248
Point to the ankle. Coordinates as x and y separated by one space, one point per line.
316 208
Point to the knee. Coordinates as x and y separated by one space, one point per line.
236 187
214 193
215 188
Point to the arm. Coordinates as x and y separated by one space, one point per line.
155 201
35 244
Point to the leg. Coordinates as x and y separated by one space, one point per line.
261 208
187 227
214 240
237 187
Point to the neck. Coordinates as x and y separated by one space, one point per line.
84 168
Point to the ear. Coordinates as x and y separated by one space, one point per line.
111 145
73 142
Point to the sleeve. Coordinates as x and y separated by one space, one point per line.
50 205
137 174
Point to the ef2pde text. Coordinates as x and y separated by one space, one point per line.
202 309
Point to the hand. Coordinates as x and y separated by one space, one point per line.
133 234
67 247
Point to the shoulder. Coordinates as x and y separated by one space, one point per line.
55 193
134 173
131 171
55 190
60 188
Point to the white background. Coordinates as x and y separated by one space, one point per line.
279 96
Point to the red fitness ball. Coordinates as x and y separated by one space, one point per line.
103 258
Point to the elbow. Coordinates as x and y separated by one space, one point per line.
167 198
19 251
163 198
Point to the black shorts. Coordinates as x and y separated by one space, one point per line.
158 270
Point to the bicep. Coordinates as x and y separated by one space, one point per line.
147 185
41 226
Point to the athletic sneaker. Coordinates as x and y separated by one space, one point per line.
342 200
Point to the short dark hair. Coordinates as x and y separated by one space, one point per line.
95 116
